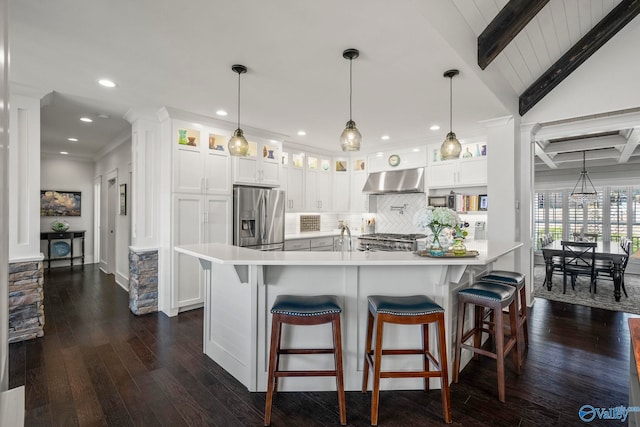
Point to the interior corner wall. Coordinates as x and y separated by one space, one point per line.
66 174
119 158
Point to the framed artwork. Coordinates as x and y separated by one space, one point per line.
60 203
484 203
341 165
123 199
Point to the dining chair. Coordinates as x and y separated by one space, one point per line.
606 270
578 259
585 237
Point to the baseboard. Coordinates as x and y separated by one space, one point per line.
12 406
123 281
103 267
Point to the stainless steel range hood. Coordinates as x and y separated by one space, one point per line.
396 181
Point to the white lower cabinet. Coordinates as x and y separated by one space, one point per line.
322 244
297 245
196 219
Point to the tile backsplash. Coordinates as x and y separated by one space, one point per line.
394 213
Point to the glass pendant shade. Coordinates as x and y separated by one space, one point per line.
238 145
584 191
451 147
351 137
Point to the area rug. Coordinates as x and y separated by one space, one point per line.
581 296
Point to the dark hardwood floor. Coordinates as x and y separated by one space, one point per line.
98 364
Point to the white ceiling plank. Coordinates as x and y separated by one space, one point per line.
630 146
510 75
537 39
528 52
588 125
471 13
560 26
519 63
573 21
585 17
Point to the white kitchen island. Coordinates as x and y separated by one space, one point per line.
241 285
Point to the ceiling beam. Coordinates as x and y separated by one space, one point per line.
576 157
544 156
513 17
585 144
630 146
620 16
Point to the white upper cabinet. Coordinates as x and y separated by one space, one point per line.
261 166
318 187
359 201
293 180
467 171
201 161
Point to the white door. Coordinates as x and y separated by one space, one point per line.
187 228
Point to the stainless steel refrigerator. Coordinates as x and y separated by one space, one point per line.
258 218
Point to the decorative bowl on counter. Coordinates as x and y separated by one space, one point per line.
60 225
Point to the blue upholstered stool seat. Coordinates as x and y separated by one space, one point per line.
507 277
488 291
415 305
306 305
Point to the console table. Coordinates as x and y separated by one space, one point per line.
50 236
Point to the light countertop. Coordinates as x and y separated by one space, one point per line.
312 234
217 253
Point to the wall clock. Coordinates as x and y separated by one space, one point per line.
394 160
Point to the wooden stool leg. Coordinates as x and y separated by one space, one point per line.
367 351
425 350
523 315
478 317
459 333
499 337
444 369
337 345
375 396
276 328
513 322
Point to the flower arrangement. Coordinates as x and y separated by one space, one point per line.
436 220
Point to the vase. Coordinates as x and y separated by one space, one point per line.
458 247
436 248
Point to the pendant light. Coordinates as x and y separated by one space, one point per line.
451 147
351 137
584 191
238 145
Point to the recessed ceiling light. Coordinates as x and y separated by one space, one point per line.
384 137
106 83
198 125
273 141
72 139
64 152
85 119
221 113
379 154
435 127
103 116
301 133
416 150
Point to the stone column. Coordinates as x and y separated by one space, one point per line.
143 281
26 308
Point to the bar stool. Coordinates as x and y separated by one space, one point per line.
493 296
409 310
513 278
304 310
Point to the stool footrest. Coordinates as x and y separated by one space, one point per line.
306 351
280 374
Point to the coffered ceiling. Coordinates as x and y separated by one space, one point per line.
179 54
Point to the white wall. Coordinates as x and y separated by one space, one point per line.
67 174
118 159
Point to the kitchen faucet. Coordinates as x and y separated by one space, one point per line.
344 227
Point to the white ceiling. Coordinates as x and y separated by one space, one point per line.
179 54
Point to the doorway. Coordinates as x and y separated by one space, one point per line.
112 211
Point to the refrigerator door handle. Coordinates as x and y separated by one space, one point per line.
263 222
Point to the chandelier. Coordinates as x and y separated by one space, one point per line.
584 191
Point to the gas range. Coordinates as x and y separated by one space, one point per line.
389 242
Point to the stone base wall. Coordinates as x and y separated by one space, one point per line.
143 282
26 296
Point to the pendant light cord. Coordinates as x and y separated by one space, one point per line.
350 86
239 100
450 104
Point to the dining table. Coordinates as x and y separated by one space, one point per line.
605 251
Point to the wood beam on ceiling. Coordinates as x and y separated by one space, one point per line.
620 16
584 144
630 146
513 17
